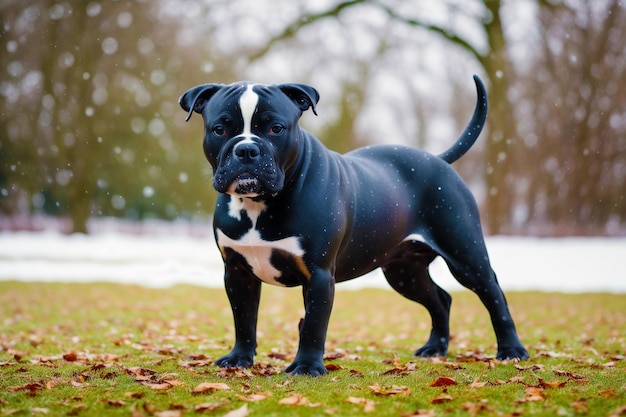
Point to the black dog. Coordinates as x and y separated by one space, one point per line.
290 212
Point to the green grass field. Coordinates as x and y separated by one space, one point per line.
117 350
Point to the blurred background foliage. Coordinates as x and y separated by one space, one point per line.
90 126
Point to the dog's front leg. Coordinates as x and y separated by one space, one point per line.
319 294
244 294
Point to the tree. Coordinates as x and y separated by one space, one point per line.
101 88
585 172
576 94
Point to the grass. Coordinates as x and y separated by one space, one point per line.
116 350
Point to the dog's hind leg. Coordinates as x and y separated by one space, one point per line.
474 272
408 275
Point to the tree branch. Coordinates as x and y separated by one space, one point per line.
302 22
452 37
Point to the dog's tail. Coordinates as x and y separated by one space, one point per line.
473 129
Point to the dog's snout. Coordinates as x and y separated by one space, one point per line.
247 152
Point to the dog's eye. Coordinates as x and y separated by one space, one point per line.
277 129
219 131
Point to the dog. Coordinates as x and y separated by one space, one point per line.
290 212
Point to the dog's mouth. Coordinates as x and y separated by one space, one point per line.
246 185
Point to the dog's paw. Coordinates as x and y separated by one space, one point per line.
432 349
309 369
235 360
512 352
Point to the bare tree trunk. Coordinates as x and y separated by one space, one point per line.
502 134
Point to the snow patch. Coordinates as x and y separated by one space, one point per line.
162 260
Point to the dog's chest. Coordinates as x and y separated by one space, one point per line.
266 258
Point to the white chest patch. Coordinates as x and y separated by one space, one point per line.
256 251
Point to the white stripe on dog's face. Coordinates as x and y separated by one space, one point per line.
248 103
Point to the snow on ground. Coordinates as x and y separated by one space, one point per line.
165 259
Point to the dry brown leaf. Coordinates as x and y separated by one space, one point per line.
162 386
420 413
77 410
114 403
294 399
441 398
333 367
477 384
334 355
620 411
568 374
255 396
285 383
580 406
532 394
208 387
32 387
209 406
279 356
551 384
385 391
368 405
453 365
534 367
174 382
169 413
240 412
609 393
443 381
474 408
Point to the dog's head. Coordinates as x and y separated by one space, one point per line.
251 133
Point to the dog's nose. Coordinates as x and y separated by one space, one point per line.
247 152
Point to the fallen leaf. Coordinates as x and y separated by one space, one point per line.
443 381
534 367
209 406
240 412
609 393
39 410
157 386
580 406
620 411
419 413
255 396
368 405
551 384
474 408
334 355
294 399
32 387
174 382
568 374
385 391
441 398
532 394
169 413
477 384
279 356
208 387
114 403
333 367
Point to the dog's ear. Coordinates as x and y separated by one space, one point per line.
196 98
303 95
